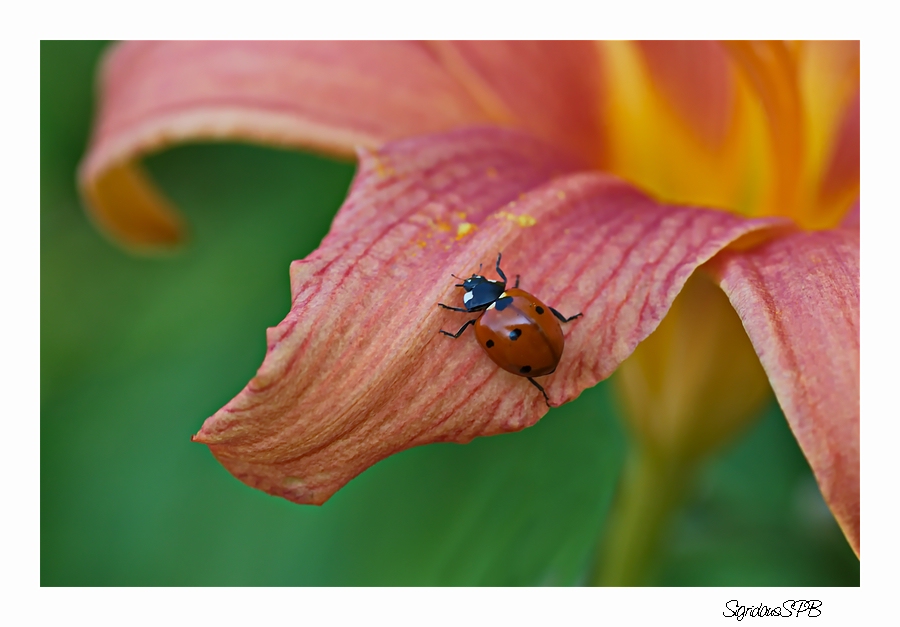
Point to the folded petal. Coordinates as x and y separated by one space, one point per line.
325 96
328 96
798 297
357 371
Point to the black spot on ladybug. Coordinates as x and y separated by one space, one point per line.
489 343
503 303
539 309
514 334
525 369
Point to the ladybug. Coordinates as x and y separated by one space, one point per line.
517 331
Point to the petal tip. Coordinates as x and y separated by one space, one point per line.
126 207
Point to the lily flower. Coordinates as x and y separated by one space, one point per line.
696 201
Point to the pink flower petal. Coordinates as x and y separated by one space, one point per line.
798 297
357 371
551 88
326 96
330 96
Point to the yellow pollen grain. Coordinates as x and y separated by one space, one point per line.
561 195
421 243
460 214
440 225
491 173
382 168
522 220
464 229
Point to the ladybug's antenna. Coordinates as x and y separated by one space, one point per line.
499 271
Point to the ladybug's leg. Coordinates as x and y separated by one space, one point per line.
562 317
461 329
538 386
463 309
517 281
499 271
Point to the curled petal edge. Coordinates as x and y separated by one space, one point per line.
307 95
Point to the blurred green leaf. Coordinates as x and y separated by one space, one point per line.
757 518
136 353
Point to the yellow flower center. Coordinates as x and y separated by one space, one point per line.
752 127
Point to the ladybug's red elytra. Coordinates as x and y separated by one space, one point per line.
517 331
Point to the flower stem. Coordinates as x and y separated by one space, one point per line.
651 490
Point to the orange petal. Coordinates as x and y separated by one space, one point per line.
772 72
684 126
126 204
829 84
325 96
357 371
798 297
805 89
840 184
696 79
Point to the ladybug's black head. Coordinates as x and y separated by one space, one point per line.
480 292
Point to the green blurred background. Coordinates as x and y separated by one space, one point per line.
136 353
